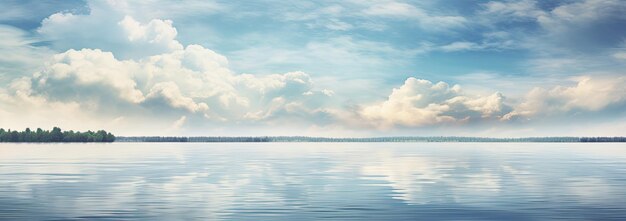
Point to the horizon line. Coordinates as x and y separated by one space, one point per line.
208 139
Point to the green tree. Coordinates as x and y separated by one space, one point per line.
56 135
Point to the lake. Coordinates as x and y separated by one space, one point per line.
313 181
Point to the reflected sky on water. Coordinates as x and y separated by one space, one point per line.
291 181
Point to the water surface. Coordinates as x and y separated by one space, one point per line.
313 181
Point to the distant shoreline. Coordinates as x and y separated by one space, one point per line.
404 139
56 135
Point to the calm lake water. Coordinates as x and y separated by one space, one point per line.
313 181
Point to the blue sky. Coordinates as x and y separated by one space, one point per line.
319 68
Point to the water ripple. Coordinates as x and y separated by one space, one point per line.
305 181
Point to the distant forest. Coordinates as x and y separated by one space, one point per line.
54 135
371 139
57 135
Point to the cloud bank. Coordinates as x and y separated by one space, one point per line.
107 68
419 102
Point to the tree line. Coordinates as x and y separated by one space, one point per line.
54 135
370 139
603 139
192 139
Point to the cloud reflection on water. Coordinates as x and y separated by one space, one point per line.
227 181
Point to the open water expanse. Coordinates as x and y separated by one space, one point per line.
313 181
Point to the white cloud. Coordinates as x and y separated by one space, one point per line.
488 106
585 26
22 107
171 94
581 12
393 9
108 29
333 24
157 32
179 123
329 17
575 12
620 55
412 105
461 46
421 103
125 68
194 81
369 15
328 92
564 38
525 9
85 69
589 94
491 41
198 82
17 55
582 26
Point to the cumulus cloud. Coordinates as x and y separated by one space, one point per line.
118 70
195 79
170 94
20 107
192 81
589 94
108 29
85 69
421 103
156 32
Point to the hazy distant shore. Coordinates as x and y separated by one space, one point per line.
370 139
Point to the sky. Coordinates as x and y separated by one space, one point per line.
315 68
